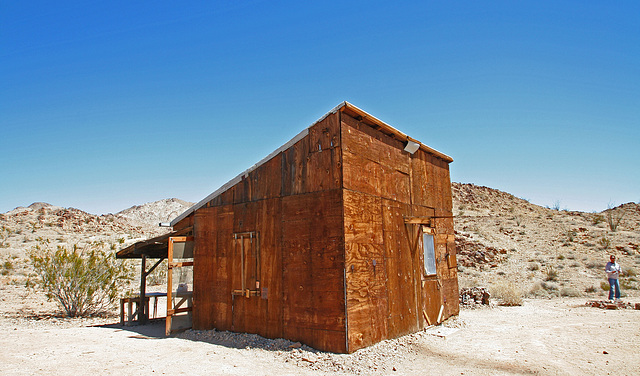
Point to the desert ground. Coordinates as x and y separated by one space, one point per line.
558 336
551 259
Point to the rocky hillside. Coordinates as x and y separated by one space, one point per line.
505 240
501 240
156 212
24 227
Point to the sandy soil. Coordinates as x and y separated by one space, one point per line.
501 240
557 336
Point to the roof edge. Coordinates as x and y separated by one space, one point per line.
340 107
393 130
239 177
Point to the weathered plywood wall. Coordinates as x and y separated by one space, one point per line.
388 294
339 268
212 268
293 202
313 273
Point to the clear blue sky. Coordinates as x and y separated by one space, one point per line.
108 104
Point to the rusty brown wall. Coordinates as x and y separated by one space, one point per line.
340 267
388 294
294 203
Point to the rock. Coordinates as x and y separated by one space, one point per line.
472 296
295 345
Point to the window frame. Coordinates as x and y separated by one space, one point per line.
430 264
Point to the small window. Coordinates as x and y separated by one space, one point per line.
429 254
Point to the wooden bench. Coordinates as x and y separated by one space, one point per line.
131 313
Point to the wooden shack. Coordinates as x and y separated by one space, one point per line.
341 238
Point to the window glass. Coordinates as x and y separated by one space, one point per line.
429 254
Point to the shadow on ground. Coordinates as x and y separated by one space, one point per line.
155 329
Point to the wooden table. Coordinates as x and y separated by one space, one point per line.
155 296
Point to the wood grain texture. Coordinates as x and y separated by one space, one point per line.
367 295
339 269
313 269
399 240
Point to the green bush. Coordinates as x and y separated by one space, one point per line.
83 281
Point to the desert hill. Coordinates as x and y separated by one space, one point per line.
156 212
505 240
24 227
501 239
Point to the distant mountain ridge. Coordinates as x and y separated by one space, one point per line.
151 213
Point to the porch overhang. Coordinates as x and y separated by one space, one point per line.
157 247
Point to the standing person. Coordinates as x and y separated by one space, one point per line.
613 272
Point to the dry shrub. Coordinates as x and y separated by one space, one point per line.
628 284
551 274
537 290
614 217
604 285
598 218
542 289
629 271
508 294
570 292
594 264
604 242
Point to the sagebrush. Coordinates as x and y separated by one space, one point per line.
84 281
508 294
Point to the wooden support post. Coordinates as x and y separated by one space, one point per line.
169 286
122 311
143 311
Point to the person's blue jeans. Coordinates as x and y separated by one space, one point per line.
614 284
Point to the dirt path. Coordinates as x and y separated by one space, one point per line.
547 337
